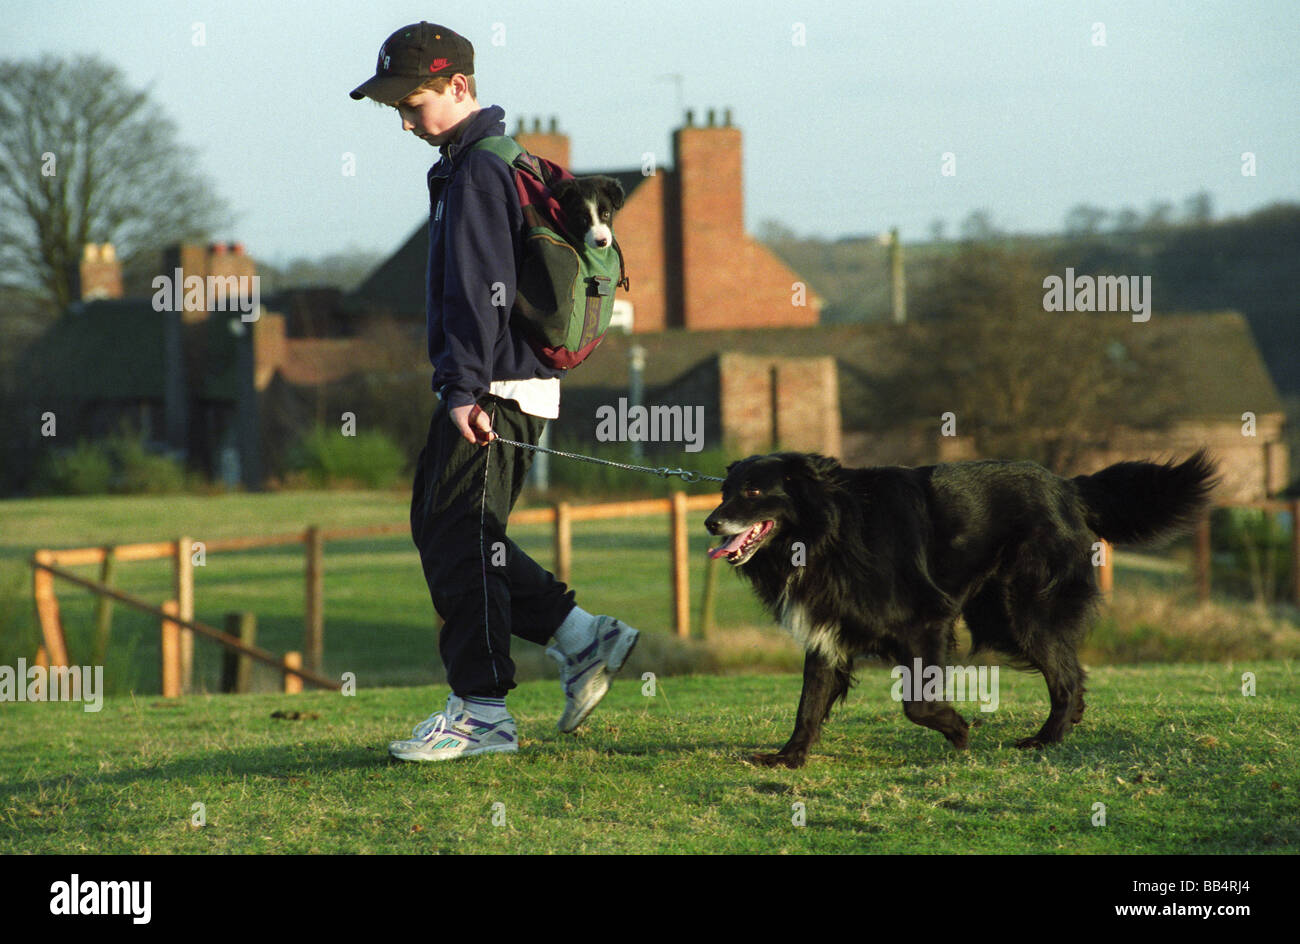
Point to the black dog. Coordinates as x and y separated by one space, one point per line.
589 205
881 561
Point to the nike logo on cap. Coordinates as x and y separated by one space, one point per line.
438 64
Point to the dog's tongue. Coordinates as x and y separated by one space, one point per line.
732 545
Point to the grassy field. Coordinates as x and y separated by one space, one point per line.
1181 760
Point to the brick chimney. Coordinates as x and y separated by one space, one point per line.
101 273
549 143
707 166
217 259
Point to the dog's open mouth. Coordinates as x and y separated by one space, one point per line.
739 547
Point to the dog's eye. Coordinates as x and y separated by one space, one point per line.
751 492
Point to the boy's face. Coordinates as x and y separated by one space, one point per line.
430 115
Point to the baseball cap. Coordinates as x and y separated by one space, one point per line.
411 55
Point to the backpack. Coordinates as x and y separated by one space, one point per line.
564 295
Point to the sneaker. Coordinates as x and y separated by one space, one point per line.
586 675
454 732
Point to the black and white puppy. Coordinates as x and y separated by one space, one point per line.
589 205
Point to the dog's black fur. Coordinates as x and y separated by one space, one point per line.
891 556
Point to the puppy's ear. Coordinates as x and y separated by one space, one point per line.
613 191
562 188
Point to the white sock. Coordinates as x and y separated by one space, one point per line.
576 632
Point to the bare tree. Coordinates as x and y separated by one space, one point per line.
86 158
1029 383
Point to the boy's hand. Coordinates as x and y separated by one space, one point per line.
473 423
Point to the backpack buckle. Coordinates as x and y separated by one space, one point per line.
600 285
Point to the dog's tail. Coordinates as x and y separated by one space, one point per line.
1142 502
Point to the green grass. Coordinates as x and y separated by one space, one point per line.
1181 759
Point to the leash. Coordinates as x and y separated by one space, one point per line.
686 474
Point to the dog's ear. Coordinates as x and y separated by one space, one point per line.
612 189
807 466
806 479
804 474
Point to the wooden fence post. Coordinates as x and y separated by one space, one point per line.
313 638
1203 559
1106 572
563 542
710 595
1295 552
237 668
680 575
292 683
170 652
103 611
183 569
47 610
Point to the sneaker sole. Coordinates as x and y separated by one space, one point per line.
498 749
617 657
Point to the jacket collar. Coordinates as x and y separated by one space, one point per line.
483 123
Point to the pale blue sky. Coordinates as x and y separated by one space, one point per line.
843 134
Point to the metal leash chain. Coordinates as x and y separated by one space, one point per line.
686 474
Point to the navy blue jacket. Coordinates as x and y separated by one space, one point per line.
475 244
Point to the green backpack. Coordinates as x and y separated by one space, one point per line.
565 290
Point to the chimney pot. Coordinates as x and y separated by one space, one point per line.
537 125
690 117
555 125
217 249
89 252
711 118
726 118
108 253
237 248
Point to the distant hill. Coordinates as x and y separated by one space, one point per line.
1248 264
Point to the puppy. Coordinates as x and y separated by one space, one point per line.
589 205
882 561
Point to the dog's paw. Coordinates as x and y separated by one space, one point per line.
793 761
1029 743
959 740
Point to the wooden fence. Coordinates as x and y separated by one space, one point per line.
175 616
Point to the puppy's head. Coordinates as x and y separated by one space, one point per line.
589 205
765 496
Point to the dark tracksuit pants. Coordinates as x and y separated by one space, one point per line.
483 585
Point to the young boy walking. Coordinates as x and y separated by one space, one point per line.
488 382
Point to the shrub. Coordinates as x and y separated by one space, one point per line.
325 457
85 469
120 464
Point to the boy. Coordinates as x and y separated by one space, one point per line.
488 380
